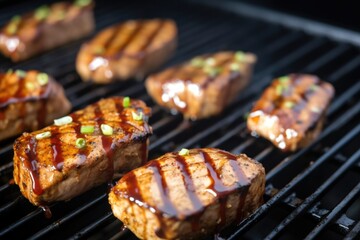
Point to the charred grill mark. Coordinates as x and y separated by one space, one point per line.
152 36
121 49
113 36
190 187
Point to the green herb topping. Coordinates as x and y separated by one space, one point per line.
184 152
87 129
240 56
42 78
126 102
43 135
106 129
82 3
197 62
289 104
42 12
80 143
63 121
20 73
137 117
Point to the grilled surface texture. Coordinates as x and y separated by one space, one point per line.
190 196
130 49
203 86
55 168
29 101
291 111
45 28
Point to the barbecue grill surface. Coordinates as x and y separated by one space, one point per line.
311 193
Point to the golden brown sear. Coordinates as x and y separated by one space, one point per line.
45 28
189 194
82 150
203 86
131 49
29 101
291 111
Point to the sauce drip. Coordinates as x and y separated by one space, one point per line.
47 211
31 164
58 159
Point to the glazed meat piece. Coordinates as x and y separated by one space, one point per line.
203 86
188 195
127 50
47 27
82 150
29 101
291 111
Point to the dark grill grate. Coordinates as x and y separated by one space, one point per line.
314 192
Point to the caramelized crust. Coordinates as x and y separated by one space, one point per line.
291 111
130 49
45 28
55 168
27 104
203 86
188 196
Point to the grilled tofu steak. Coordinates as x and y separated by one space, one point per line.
29 101
127 50
291 111
203 86
188 195
47 27
82 150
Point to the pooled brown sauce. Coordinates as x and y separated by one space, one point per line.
47 211
31 164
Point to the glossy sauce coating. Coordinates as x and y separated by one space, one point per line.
289 108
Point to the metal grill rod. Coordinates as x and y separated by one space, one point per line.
284 191
316 195
355 232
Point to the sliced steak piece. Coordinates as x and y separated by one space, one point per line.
29 101
75 154
188 195
291 111
127 50
47 27
203 86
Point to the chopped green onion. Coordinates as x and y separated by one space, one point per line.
42 78
106 129
42 12
60 15
87 129
234 67
289 104
80 143
284 79
63 121
197 62
98 50
20 73
212 71
137 117
240 56
30 86
279 90
82 3
9 71
184 152
11 28
209 62
43 135
126 102
313 87
16 19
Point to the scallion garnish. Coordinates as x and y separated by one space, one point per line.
313 87
20 73
30 86
279 89
9 71
106 129
87 129
137 117
42 12
316 109
16 19
240 56
234 67
42 78
184 152
284 79
197 62
43 135
98 50
289 104
212 71
126 102
209 62
80 143
11 28
82 3
63 121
